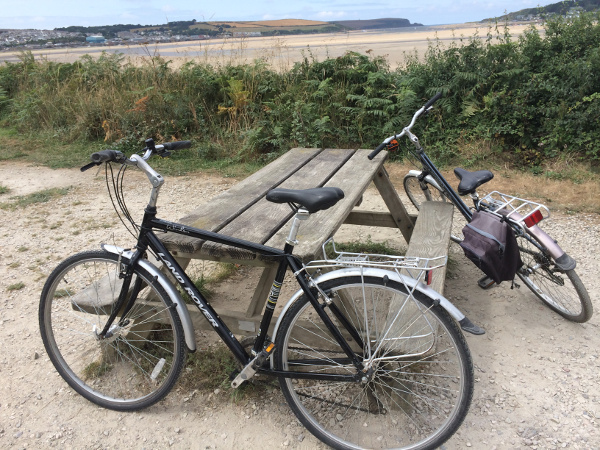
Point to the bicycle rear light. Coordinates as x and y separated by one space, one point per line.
533 218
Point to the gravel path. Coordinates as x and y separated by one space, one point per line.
538 375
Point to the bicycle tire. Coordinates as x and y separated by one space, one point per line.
417 195
562 291
415 401
134 368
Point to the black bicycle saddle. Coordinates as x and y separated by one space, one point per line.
315 199
469 181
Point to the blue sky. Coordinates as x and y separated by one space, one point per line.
44 14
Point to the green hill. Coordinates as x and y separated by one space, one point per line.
563 8
375 24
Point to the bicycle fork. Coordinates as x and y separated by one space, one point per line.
126 298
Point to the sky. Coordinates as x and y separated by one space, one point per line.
46 14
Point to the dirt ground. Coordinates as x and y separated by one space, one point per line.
537 375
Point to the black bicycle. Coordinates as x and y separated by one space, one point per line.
367 356
547 270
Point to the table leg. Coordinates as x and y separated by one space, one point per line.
262 291
393 202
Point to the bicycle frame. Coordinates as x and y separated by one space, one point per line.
533 234
148 239
439 178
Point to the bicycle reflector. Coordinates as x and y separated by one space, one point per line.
533 218
428 277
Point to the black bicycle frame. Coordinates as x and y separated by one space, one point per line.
148 239
454 197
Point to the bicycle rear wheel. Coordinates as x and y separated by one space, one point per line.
562 291
419 382
142 357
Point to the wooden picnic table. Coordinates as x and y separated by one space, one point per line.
243 212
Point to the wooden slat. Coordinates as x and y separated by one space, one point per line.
353 179
431 237
373 219
226 207
264 219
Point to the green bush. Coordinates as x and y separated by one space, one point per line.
536 97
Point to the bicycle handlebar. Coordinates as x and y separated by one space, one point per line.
177 145
106 156
432 100
406 130
374 153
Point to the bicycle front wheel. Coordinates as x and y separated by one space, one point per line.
562 291
142 355
419 193
418 380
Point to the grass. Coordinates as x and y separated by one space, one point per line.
4 189
45 149
95 370
43 196
49 150
202 283
16 286
210 368
61 293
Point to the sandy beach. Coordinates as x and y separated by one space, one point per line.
283 51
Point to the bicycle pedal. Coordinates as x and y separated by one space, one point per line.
252 367
486 282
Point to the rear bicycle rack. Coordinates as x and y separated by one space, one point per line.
413 266
524 213
400 338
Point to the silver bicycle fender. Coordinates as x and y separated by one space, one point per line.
562 260
428 178
380 273
165 283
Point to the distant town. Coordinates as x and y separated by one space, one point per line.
36 39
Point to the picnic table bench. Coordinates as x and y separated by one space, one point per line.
243 212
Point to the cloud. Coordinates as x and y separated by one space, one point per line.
331 14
